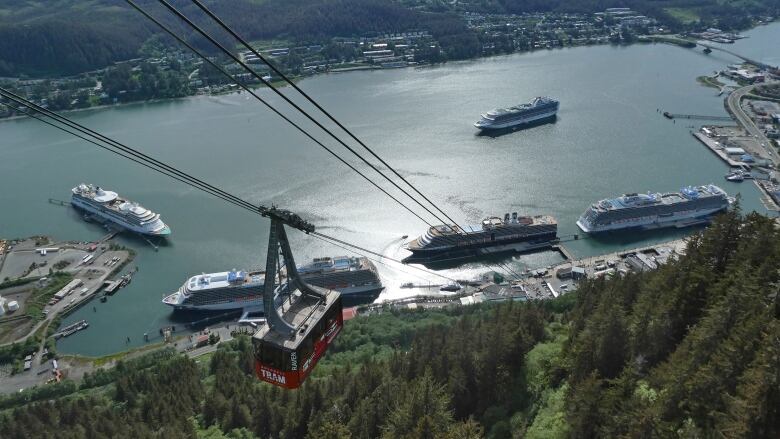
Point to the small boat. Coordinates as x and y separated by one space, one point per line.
407 285
707 50
405 236
736 176
450 287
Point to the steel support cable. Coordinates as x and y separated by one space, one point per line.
451 240
243 42
74 129
269 106
77 128
246 205
65 121
291 103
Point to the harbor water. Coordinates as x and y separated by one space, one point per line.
610 138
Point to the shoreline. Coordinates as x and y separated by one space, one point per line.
650 39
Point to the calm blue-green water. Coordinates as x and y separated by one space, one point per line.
609 139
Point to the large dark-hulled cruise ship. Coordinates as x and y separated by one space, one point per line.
234 290
514 233
539 110
690 206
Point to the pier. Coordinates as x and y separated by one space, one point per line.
109 236
564 251
717 149
71 329
111 286
669 115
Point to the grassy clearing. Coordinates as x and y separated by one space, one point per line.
683 15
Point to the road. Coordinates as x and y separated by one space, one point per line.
733 102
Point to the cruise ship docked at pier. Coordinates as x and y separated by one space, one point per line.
690 206
235 290
108 206
540 109
514 233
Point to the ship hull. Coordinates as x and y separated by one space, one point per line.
355 293
99 213
523 122
472 253
651 223
225 306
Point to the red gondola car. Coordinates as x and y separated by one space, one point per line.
286 360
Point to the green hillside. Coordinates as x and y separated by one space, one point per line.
53 37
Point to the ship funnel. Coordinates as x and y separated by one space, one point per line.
514 217
506 217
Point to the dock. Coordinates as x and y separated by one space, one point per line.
109 236
72 329
717 149
112 286
669 115
564 251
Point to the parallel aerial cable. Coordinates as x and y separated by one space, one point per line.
223 49
298 127
312 101
75 129
249 47
153 163
270 107
458 229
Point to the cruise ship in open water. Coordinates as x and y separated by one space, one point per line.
235 290
110 207
539 110
690 206
514 233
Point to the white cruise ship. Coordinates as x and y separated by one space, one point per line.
109 206
691 206
234 290
537 111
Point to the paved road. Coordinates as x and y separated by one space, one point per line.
733 101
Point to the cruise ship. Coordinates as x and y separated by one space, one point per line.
110 207
445 243
690 206
235 290
540 109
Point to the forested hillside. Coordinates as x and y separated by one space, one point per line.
70 36
62 37
690 350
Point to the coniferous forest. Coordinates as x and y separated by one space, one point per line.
66 37
690 350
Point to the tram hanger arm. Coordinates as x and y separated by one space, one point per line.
287 217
